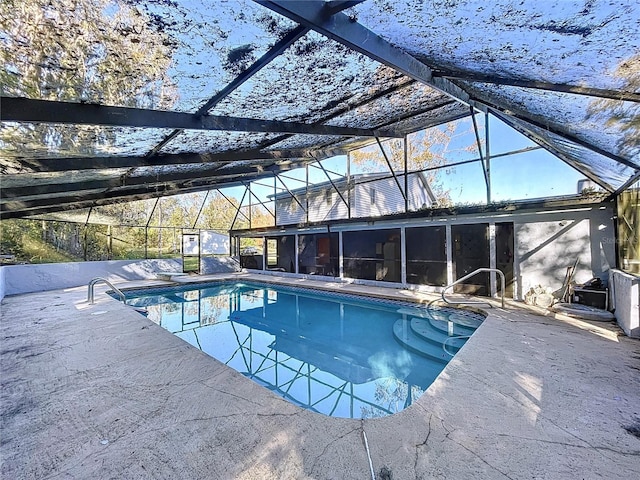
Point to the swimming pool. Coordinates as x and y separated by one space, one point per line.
336 354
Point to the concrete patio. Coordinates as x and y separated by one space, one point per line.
99 391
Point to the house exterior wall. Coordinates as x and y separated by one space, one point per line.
383 197
547 243
371 199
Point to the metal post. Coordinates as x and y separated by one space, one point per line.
146 229
487 154
85 247
406 175
479 144
492 259
403 256
296 247
109 243
449 239
349 185
159 231
306 194
340 255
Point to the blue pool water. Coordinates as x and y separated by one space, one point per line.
340 355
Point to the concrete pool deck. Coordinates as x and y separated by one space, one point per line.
99 391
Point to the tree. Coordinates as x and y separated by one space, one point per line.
429 148
623 115
102 51
218 213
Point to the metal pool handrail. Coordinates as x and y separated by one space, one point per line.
96 280
460 280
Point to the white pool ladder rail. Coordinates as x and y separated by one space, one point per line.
96 280
473 302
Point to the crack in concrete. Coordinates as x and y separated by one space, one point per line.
448 436
574 445
324 450
239 397
420 445
276 414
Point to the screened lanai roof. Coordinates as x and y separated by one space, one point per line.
115 100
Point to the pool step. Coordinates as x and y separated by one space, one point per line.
423 329
457 328
406 337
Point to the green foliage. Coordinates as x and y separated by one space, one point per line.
82 51
24 239
56 241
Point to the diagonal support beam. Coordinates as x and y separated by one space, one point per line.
634 178
259 201
317 15
393 174
536 84
341 28
284 43
549 147
237 209
572 138
485 169
333 184
290 193
47 111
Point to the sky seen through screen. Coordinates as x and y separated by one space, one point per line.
528 175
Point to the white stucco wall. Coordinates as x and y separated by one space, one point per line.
2 283
52 276
547 243
213 243
625 299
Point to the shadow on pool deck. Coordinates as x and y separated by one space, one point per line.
99 391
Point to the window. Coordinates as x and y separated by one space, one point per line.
372 195
327 196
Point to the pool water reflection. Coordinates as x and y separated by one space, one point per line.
338 355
